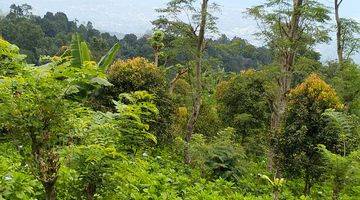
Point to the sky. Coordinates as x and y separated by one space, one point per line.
134 16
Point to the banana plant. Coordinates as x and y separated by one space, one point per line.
80 53
77 61
109 57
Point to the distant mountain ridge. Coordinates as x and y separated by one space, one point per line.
51 34
134 16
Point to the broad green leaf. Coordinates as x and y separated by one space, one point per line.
101 81
80 52
76 50
151 137
71 90
109 57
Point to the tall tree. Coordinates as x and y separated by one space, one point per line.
192 34
346 31
338 31
197 85
288 26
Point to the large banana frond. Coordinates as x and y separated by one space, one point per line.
79 51
75 50
109 57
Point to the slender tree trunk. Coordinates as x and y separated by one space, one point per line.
284 84
337 186
307 189
336 192
50 193
47 164
308 184
276 195
197 84
340 48
90 190
156 55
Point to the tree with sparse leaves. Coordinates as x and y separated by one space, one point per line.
288 27
346 35
190 34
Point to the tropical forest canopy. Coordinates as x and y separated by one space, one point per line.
176 114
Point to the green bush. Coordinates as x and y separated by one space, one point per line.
138 74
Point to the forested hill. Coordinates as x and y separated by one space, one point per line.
37 36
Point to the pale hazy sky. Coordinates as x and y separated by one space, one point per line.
134 16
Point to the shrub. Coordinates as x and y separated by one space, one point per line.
10 59
243 104
139 74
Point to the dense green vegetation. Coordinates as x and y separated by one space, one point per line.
161 117
51 34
